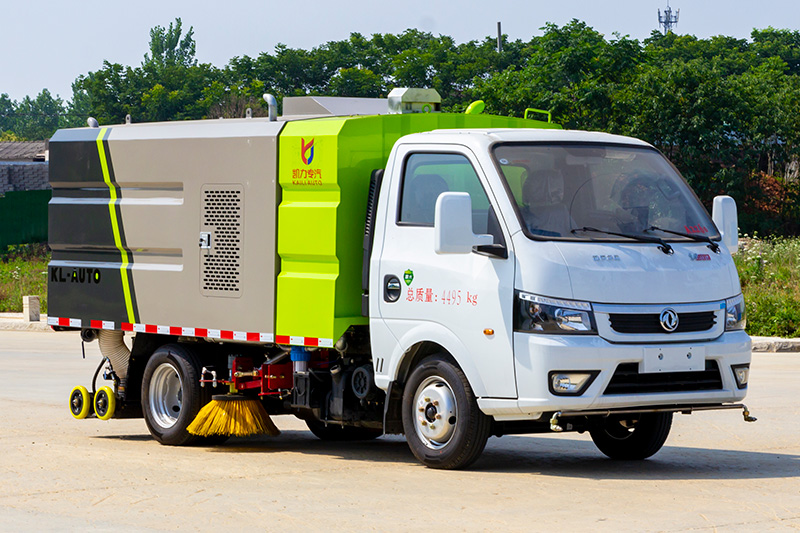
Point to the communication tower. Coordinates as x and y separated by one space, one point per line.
668 20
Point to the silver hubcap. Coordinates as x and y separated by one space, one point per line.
166 395
436 415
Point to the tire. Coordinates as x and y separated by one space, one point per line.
333 432
171 394
627 439
442 422
105 403
80 402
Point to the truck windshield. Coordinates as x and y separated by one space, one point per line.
560 190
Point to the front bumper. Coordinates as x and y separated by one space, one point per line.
535 356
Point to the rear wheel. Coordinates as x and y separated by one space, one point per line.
632 438
333 432
171 394
442 422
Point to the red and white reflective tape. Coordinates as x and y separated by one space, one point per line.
162 330
192 332
303 341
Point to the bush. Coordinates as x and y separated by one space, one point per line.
23 272
769 270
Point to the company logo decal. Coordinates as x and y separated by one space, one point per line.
75 275
408 276
700 257
669 320
307 151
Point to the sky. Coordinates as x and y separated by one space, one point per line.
48 43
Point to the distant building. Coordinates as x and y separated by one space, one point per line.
23 166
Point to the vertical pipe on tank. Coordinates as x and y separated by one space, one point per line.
272 105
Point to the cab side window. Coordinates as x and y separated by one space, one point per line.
426 176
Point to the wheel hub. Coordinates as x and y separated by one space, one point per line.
436 415
430 413
166 395
77 402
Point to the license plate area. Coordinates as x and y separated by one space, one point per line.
673 359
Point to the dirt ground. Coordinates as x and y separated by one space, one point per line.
716 473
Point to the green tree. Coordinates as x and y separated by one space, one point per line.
783 44
79 108
356 82
167 49
572 71
38 118
7 113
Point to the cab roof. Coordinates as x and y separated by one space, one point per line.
492 136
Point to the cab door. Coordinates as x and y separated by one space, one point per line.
462 301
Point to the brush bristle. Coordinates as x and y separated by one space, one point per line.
233 418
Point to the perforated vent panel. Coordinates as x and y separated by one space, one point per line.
223 218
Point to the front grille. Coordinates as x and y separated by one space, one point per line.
628 380
650 323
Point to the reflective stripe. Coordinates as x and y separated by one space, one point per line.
249 336
123 269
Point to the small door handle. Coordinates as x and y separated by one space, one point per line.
391 288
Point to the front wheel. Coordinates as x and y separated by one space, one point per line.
632 438
171 394
442 422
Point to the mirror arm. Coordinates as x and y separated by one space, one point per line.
491 250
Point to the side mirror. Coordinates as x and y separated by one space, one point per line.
452 225
727 221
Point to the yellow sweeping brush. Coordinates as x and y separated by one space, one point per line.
233 415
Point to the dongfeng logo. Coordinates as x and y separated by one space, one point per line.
669 320
307 151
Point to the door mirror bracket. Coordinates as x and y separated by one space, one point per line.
491 250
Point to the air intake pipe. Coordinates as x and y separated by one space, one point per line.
113 348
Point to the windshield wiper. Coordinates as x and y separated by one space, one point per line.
663 246
700 238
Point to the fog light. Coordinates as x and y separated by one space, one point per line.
570 383
742 375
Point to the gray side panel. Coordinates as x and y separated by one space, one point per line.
86 277
161 171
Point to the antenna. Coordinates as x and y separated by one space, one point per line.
668 20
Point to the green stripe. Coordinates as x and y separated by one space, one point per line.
112 210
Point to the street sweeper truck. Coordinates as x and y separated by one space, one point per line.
380 267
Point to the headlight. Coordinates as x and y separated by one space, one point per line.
735 317
537 314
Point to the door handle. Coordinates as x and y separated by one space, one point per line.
391 288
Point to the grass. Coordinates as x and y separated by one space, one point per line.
23 272
769 270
